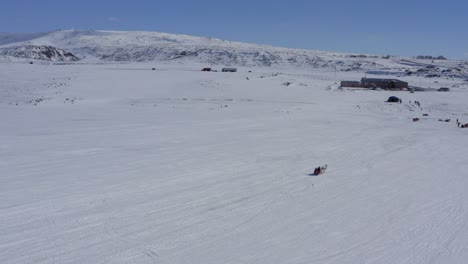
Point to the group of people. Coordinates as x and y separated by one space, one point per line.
462 125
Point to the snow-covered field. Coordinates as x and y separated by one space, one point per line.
117 163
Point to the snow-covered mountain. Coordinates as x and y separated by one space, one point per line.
154 46
137 46
7 38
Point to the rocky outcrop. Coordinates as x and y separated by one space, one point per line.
35 52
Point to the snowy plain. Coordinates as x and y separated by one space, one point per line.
118 163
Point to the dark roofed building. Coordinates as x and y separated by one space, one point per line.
351 84
384 83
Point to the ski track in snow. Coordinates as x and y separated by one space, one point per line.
181 166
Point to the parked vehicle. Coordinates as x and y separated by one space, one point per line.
229 70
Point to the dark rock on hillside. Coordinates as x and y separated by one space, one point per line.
48 53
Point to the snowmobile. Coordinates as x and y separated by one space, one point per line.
320 170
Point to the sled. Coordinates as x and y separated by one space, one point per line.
322 170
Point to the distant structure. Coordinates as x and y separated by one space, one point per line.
388 84
206 69
384 83
229 69
425 57
444 89
351 84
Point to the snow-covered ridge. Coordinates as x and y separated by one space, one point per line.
7 38
138 46
155 46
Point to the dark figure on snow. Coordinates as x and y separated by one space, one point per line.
317 170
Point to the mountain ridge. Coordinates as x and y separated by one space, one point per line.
157 46
141 46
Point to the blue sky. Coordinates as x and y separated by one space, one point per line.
396 27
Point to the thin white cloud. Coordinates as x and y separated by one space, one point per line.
113 19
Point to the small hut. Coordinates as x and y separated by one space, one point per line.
393 99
